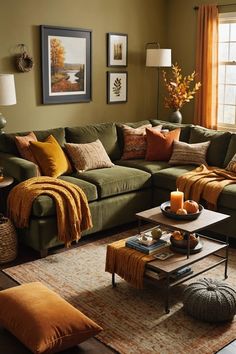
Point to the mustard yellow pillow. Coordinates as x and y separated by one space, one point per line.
42 320
50 157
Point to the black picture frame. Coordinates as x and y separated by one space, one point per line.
117 49
117 87
69 79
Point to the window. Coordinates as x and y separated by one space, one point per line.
227 71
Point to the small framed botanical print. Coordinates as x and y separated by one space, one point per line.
117 49
117 87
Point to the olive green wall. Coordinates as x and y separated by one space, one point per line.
143 21
181 37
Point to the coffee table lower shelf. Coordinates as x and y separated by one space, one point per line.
200 263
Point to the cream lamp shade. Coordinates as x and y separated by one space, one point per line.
7 95
158 57
7 90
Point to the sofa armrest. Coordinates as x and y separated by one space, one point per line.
20 169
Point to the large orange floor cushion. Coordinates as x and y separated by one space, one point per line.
42 320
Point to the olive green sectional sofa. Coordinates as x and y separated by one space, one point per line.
116 194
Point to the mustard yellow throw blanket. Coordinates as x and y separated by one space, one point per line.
128 263
205 183
73 214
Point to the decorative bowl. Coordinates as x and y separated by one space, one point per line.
165 208
184 243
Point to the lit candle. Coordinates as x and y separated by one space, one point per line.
176 201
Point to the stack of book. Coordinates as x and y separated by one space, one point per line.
133 242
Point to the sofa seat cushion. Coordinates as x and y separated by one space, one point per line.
116 180
166 178
45 206
148 166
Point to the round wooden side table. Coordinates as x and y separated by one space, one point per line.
6 181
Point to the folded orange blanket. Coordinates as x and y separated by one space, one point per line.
205 183
128 263
73 214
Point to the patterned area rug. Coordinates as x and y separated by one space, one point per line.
134 321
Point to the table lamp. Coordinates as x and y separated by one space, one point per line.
157 57
7 95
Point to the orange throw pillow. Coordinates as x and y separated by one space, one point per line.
160 145
42 320
50 157
23 146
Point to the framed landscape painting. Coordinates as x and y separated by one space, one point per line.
66 64
117 87
117 49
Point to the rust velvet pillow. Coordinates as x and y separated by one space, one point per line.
42 320
23 146
160 145
50 157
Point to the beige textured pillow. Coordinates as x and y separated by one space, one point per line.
232 165
88 156
189 154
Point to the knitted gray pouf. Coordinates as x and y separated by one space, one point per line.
210 300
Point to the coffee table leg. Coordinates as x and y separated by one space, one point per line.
226 257
113 280
167 309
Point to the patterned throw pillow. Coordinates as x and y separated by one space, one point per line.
88 156
189 154
160 144
135 144
232 165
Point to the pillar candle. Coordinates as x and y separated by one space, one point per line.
176 201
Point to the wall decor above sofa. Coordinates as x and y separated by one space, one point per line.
117 49
66 64
117 87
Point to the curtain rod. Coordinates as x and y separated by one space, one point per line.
233 4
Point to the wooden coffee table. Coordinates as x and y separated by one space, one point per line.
178 261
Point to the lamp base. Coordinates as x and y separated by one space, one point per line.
3 122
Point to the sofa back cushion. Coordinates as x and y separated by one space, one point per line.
8 145
185 128
231 151
219 141
105 132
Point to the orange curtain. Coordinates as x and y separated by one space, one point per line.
207 66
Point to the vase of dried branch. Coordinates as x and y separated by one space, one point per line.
175 117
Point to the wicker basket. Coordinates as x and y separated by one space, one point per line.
8 240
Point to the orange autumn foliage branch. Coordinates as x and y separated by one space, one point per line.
179 88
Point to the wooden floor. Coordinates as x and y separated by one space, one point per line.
10 345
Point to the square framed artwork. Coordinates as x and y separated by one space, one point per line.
117 87
66 64
117 49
